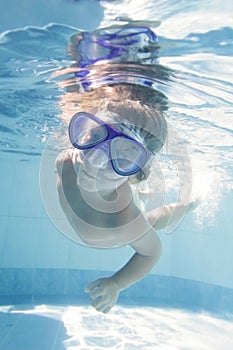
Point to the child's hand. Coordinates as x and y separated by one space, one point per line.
103 293
194 204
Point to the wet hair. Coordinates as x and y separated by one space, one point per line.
134 109
138 109
144 123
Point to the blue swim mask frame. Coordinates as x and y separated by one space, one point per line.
127 155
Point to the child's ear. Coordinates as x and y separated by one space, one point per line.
141 175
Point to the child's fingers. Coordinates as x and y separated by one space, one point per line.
96 293
92 286
195 203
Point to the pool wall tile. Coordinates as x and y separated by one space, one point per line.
20 242
3 230
49 282
16 282
43 285
6 190
49 255
26 199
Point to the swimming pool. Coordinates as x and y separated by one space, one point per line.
187 300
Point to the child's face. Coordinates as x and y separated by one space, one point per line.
109 154
96 172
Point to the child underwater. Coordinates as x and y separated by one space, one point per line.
116 127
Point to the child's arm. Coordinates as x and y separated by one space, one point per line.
168 214
147 253
104 291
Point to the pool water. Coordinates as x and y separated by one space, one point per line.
187 301
79 327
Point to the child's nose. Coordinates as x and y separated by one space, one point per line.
97 158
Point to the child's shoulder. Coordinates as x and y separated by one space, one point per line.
68 154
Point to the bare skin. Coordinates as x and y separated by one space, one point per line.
104 292
82 196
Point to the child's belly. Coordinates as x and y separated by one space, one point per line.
99 228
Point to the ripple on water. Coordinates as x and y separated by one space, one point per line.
123 328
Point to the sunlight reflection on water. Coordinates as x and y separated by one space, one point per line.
128 328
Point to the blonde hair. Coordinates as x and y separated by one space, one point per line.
145 122
137 108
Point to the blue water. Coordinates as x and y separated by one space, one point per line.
194 276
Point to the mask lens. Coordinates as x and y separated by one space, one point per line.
85 132
128 156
